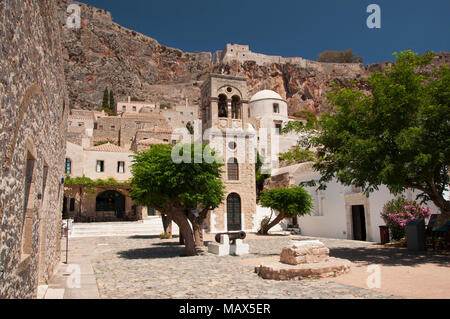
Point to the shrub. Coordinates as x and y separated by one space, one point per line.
165 236
398 212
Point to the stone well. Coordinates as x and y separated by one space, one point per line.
303 259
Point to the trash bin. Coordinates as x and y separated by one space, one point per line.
384 235
415 235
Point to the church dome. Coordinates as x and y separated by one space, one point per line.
266 95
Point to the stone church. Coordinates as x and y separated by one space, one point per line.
225 114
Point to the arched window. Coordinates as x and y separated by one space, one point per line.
223 107
234 212
236 107
233 169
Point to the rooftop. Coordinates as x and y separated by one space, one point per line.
108 147
266 95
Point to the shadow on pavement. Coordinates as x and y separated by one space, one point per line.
152 252
391 256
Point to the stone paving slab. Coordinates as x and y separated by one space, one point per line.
141 267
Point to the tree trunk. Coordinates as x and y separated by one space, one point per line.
265 229
186 232
197 223
443 218
442 204
167 224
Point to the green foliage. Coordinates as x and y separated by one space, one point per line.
260 175
105 103
297 155
399 135
112 103
158 181
165 236
305 114
86 181
290 201
108 104
348 56
135 99
89 185
105 142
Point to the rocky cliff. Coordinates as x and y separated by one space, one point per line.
104 54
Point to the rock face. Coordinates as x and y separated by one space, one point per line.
305 252
104 54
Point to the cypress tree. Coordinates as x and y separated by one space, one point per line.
105 104
112 103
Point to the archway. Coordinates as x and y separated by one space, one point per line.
234 212
111 201
236 107
223 106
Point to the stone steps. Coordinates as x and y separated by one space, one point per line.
150 227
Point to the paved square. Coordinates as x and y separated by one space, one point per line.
147 267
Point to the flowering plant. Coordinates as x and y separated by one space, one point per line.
398 212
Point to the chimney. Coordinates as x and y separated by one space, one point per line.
129 99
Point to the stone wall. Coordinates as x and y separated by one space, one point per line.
33 113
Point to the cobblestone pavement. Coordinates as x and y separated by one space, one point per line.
147 267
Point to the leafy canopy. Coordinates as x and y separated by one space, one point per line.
158 181
399 135
290 201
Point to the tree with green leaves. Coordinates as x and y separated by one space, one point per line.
260 174
184 192
105 103
398 135
112 103
289 202
331 56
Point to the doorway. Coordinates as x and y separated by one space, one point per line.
359 223
111 201
234 212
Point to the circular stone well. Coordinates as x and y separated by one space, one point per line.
280 271
303 259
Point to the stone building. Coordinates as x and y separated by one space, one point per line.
106 202
225 117
176 116
33 114
100 148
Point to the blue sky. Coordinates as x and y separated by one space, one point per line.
288 28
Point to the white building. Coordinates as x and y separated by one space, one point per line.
268 113
340 211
